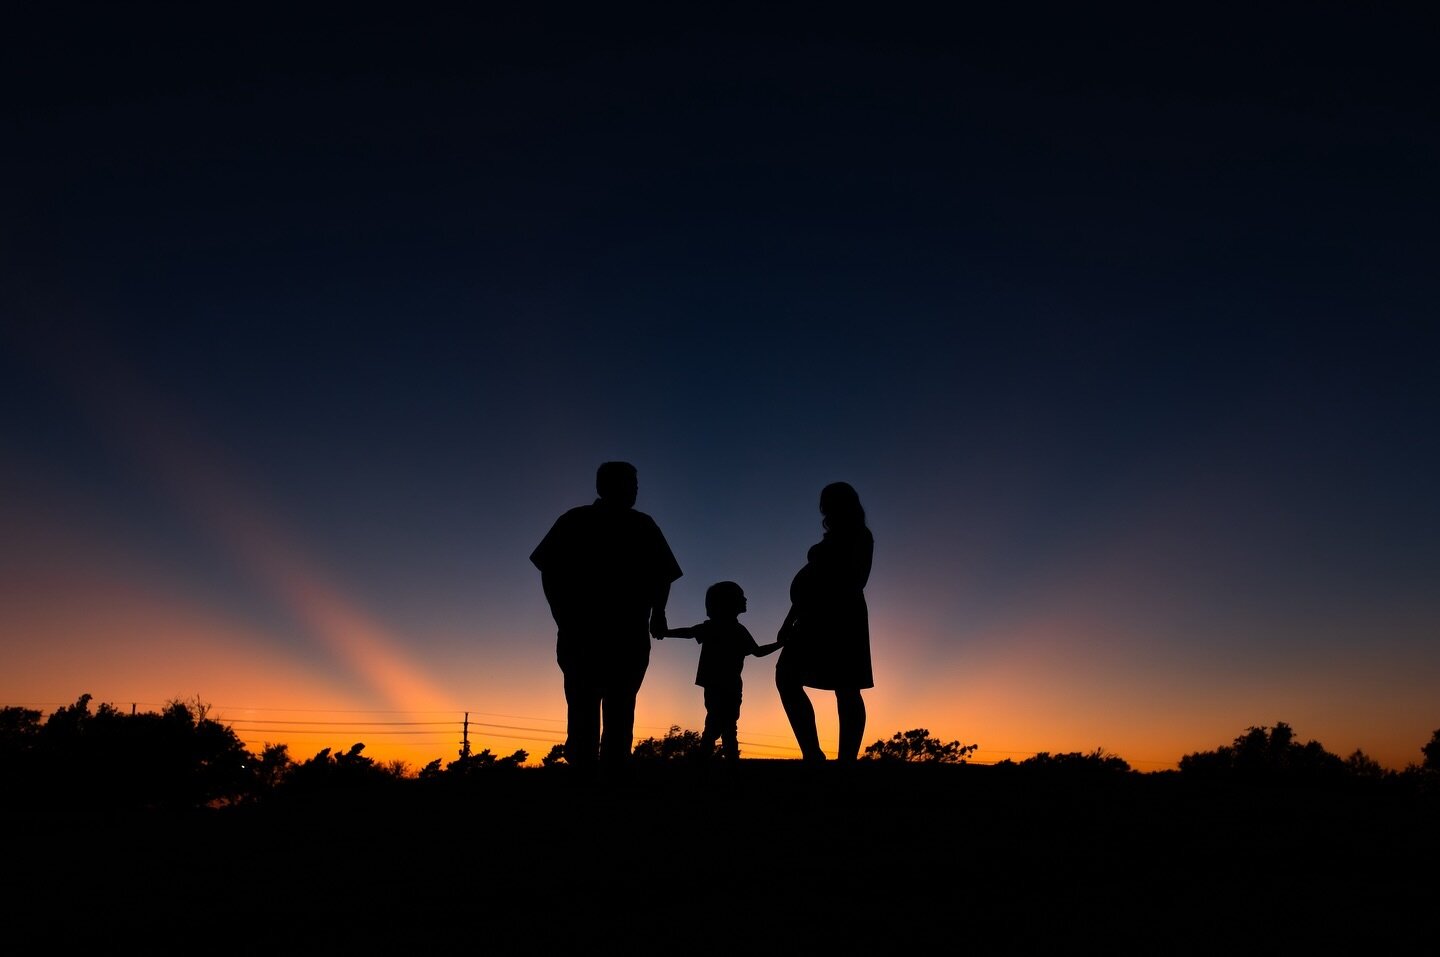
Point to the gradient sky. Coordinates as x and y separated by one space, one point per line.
1124 329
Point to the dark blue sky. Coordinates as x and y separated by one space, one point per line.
1121 321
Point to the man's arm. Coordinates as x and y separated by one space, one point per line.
547 557
556 594
552 592
658 626
663 566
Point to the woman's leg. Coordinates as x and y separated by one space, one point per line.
801 714
852 722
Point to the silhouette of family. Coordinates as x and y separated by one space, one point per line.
606 570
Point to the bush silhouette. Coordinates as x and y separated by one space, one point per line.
1361 766
1268 754
350 770
178 757
917 746
181 758
677 745
1431 751
1072 762
19 731
469 764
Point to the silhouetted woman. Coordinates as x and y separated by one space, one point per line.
826 634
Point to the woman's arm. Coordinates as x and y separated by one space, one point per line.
861 557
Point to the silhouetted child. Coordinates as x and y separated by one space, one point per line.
724 646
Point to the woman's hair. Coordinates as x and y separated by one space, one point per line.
840 504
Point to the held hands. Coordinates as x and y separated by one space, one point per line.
787 629
658 625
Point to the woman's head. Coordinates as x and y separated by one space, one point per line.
840 504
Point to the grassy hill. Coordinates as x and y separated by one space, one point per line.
770 856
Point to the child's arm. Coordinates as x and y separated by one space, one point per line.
686 632
759 650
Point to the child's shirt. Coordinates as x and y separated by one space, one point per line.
724 645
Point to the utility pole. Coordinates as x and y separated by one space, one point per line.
465 737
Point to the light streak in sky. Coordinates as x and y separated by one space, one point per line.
172 453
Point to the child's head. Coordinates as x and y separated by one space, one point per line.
724 600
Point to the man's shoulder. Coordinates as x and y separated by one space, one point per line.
646 529
602 510
571 514
580 516
642 518
561 534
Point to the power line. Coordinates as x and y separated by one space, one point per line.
347 723
459 723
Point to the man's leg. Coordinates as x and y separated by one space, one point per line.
617 737
582 729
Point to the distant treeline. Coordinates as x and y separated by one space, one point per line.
180 758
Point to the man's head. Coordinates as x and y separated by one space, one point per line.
617 483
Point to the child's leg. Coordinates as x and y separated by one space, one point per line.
729 738
714 723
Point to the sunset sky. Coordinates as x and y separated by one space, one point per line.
1125 330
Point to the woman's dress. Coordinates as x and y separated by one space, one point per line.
827 644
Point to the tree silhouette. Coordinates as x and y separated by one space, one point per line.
477 761
1264 753
20 755
917 746
1431 751
327 772
19 730
676 745
272 766
1072 762
178 757
1361 766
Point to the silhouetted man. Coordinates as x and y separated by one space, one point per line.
606 570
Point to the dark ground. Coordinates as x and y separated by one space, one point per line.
773 857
